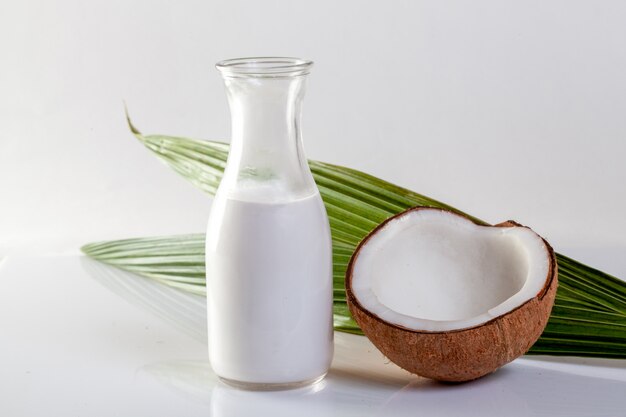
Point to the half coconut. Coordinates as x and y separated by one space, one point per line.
449 299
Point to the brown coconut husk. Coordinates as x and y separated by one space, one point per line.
458 355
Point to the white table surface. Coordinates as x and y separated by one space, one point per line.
78 338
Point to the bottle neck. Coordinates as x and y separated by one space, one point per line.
265 118
266 155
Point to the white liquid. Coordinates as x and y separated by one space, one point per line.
269 285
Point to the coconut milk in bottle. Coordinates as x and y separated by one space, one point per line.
268 247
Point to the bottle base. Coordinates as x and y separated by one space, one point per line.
270 386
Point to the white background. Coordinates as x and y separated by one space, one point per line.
503 109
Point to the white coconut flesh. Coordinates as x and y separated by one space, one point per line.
431 270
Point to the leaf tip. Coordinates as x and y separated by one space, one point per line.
131 126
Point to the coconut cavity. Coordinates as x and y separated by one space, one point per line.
435 271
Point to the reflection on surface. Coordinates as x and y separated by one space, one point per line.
514 391
311 401
336 393
361 381
185 311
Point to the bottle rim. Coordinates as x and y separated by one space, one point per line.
264 67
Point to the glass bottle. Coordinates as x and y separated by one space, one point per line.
268 246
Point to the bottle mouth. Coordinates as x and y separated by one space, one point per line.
264 67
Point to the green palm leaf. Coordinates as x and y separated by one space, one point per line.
589 318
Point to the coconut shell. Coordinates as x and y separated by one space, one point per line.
458 355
